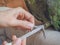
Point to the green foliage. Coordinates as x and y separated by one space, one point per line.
32 1
54 11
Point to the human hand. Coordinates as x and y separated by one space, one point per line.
16 41
16 17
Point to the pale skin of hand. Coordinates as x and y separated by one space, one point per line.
16 17
16 41
8 18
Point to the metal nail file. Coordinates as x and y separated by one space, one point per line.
37 28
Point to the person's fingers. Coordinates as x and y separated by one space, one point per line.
16 41
23 42
14 37
23 14
20 16
17 13
24 24
4 43
28 16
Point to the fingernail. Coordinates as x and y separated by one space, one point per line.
31 25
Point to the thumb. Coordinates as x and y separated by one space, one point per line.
4 43
14 37
16 41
